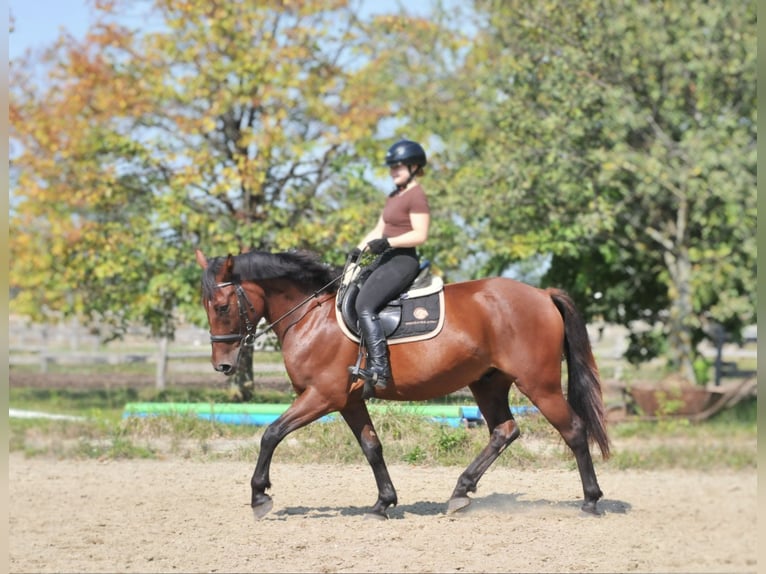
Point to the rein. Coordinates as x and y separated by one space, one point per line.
248 338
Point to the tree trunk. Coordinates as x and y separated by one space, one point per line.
162 365
681 351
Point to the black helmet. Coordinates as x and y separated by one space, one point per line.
407 152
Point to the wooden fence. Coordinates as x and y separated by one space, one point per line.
45 359
70 343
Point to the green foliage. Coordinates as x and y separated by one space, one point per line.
415 456
226 129
621 139
669 404
118 447
450 440
644 346
77 402
616 139
705 457
702 370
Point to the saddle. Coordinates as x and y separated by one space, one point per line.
415 315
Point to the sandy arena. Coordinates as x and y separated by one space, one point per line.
178 515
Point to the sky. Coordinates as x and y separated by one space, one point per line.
39 22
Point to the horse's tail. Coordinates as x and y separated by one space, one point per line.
584 386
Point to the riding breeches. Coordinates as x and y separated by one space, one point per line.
394 273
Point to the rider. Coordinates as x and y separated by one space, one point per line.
401 227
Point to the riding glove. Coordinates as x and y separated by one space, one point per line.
354 253
378 246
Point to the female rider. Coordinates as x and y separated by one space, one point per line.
401 227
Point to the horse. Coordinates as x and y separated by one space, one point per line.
497 332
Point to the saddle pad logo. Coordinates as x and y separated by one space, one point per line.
420 313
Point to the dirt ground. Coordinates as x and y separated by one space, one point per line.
178 515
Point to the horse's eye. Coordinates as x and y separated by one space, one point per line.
222 310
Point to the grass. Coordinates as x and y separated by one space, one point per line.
725 441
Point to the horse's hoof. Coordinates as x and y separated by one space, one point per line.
590 508
263 508
375 516
456 504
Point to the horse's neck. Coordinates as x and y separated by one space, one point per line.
287 305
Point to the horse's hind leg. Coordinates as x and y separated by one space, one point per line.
554 407
491 394
358 419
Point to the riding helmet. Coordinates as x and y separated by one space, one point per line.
406 152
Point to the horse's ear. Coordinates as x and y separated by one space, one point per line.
201 259
227 269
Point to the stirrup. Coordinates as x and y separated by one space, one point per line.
373 384
380 380
355 370
357 373
373 380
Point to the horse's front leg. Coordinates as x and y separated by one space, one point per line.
358 419
302 412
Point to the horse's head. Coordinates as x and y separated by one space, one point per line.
233 310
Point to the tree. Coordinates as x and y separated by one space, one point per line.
616 139
621 139
229 125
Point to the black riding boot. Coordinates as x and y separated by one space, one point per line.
377 371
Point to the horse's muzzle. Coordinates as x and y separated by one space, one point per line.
225 368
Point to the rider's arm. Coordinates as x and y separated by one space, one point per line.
420 223
376 233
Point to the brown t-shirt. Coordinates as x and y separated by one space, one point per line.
396 213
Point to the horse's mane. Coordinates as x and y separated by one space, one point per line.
302 267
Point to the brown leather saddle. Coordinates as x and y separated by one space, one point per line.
416 314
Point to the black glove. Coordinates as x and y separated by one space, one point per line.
378 246
354 253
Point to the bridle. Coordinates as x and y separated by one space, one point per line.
246 335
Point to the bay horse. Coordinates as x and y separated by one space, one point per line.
496 332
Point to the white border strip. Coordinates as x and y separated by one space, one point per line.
19 414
